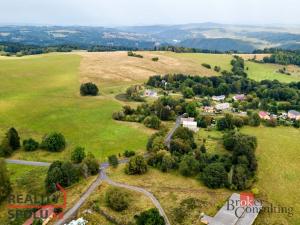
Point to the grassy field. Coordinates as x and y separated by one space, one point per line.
41 94
259 71
278 172
138 204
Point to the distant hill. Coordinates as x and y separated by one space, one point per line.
220 44
209 36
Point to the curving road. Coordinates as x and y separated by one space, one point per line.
101 177
171 132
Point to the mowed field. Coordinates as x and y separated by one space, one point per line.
41 94
278 171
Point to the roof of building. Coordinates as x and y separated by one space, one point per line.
225 105
227 215
239 97
220 97
294 112
263 113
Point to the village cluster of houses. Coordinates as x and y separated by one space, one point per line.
222 106
291 114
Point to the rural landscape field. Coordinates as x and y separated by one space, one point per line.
149 112
40 94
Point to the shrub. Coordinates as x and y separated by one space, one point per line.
92 164
150 217
155 59
54 142
206 65
117 199
5 186
89 89
189 166
214 175
113 161
254 120
152 122
271 123
217 68
78 154
5 149
136 165
129 153
30 145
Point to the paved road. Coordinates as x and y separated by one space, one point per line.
27 163
101 177
104 177
171 132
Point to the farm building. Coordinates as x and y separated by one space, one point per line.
218 98
240 97
294 115
189 123
150 93
222 106
264 115
234 213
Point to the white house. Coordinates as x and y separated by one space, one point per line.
189 123
222 106
218 98
240 97
192 125
150 93
294 115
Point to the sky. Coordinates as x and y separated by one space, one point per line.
148 12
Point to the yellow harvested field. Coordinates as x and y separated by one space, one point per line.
251 56
116 68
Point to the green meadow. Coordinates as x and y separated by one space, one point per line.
40 94
278 173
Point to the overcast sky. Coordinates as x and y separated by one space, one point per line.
145 12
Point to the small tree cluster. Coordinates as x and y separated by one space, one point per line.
117 199
136 165
63 173
150 217
53 142
89 89
30 145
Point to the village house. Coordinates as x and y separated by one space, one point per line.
264 115
189 123
218 98
240 97
234 213
222 106
208 109
294 115
150 93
